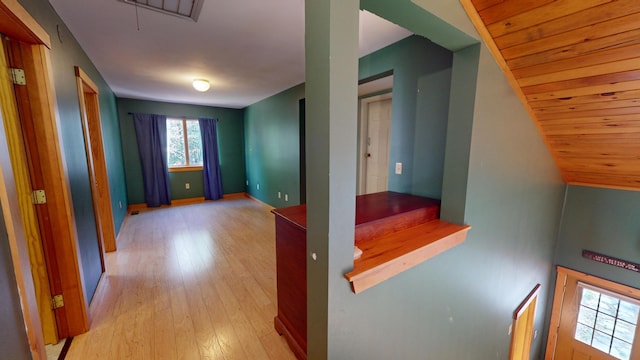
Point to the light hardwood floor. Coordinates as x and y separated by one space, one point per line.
188 282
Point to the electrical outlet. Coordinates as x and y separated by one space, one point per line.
279 195
286 197
258 186
247 182
187 186
120 204
398 168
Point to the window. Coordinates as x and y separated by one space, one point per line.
184 144
607 321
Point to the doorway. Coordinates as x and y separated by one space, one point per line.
593 319
98 176
375 136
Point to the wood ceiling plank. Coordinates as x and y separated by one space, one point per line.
554 10
595 58
603 119
597 90
591 105
578 20
624 153
483 4
583 34
587 99
605 127
620 183
579 49
582 72
577 115
606 79
613 182
614 167
508 9
624 138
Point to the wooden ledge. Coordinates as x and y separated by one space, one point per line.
390 255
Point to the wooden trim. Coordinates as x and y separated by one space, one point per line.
558 300
188 201
87 80
16 22
185 168
28 213
556 311
96 161
524 319
605 284
18 243
235 195
532 296
39 99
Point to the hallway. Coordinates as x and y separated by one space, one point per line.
188 282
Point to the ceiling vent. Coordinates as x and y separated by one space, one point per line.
186 9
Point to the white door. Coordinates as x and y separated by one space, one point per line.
376 129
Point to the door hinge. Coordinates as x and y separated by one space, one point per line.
39 197
17 75
57 302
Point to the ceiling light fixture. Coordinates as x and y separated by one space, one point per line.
201 85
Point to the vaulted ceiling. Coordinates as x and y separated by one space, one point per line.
575 64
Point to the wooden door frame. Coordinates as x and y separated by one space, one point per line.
563 274
21 172
98 175
16 23
522 330
362 141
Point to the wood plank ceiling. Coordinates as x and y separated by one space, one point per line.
576 66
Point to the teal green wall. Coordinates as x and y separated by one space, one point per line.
65 54
421 72
230 145
272 148
458 305
421 84
604 221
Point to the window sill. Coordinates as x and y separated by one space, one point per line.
185 168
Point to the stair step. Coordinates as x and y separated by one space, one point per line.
383 213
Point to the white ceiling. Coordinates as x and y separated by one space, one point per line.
247 49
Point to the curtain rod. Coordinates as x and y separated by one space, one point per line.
182 116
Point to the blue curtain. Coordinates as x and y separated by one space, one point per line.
151 133
210 159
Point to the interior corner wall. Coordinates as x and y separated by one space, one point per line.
65 54
14 343
272 148
230 146
604 221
